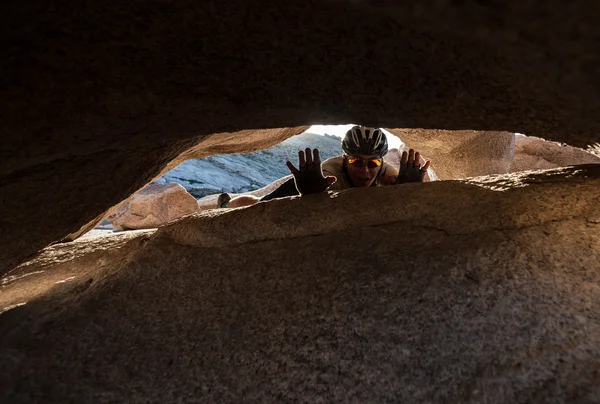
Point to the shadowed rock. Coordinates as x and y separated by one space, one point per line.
25 232
533 153
95 90
487 294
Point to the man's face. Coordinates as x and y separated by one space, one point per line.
363 169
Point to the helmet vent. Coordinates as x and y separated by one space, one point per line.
365 140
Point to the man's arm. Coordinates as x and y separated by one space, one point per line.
288 188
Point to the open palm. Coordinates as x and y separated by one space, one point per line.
308 176
411 169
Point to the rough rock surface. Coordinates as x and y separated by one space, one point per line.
24 232
533 153
463 153
59 265
93 90
153 206
483 290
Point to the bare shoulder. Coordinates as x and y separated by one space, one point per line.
388 169
388 175
386 180
335 167
333 164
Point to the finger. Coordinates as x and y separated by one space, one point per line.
316 157
308 157
423 171
417 159
301 162
404 158
330 180
293 169
426 166
411 157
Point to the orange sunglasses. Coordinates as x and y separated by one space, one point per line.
358 163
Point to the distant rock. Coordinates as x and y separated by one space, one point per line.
534 153
153 206
242 173
105 227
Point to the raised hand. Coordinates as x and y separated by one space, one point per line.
411 169
309 177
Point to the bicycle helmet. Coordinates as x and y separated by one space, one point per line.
365 140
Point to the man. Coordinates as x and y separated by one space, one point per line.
361 165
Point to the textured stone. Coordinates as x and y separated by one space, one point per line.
476 291
464 153
25 232
245 141
533 153
96 90
153 206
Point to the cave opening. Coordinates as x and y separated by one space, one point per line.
194 185
456 293
460 250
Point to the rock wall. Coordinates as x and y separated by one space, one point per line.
533 153
74 194
483 290
463 153
153 206
115 91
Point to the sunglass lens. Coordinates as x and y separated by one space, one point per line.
355 162
360 162
374 163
